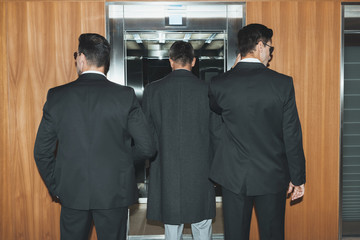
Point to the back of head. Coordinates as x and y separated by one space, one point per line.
250 35
96 50
182 52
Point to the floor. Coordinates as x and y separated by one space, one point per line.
142 229
139 225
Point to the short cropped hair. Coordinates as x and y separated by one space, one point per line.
250 35
182 52
96 50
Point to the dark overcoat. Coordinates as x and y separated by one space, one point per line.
180 191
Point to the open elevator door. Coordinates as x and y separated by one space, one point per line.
147 57
141 34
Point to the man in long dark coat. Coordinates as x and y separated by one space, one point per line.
177 108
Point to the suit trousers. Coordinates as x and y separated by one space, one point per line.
270 212
200 230
110 224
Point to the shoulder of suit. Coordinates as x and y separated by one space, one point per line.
159 82
151 85
61 87
156 82
280 80
269 73
116 88
277 74
68 86
219 78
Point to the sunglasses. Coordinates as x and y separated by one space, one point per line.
76 55
271 47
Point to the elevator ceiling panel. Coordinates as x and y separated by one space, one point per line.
132 45
143 32
215 45
157 44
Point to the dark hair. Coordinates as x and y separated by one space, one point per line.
96 50
182 52
250 35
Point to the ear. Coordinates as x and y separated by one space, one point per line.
260 46
171 63
82 60
193 62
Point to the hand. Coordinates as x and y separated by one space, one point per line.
56 199
296 191
237 60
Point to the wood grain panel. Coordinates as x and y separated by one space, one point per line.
54 1
21 166
37 42
6 228
42 67
92 18
42 37
307 47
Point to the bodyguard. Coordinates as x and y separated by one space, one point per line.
260 155
83 146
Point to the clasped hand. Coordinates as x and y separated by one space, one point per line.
296 191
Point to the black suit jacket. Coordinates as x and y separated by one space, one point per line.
261 143
179 188
91 123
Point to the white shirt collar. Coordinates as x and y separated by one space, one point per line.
253 60
92 71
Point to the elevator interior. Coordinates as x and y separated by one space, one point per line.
141 34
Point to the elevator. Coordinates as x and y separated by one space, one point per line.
140 35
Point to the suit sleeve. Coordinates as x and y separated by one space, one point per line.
293 139
215 133
214 106
146 106
140 131
44 149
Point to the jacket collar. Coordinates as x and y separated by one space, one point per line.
91 77
92 71
181 72
249 65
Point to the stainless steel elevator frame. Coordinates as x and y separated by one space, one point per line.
128 16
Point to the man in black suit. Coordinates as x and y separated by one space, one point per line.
84 151
261 153
177 107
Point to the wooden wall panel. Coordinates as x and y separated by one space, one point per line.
5 212
38 39
307 47
21 168
93 18
42 36
54 1
42 67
